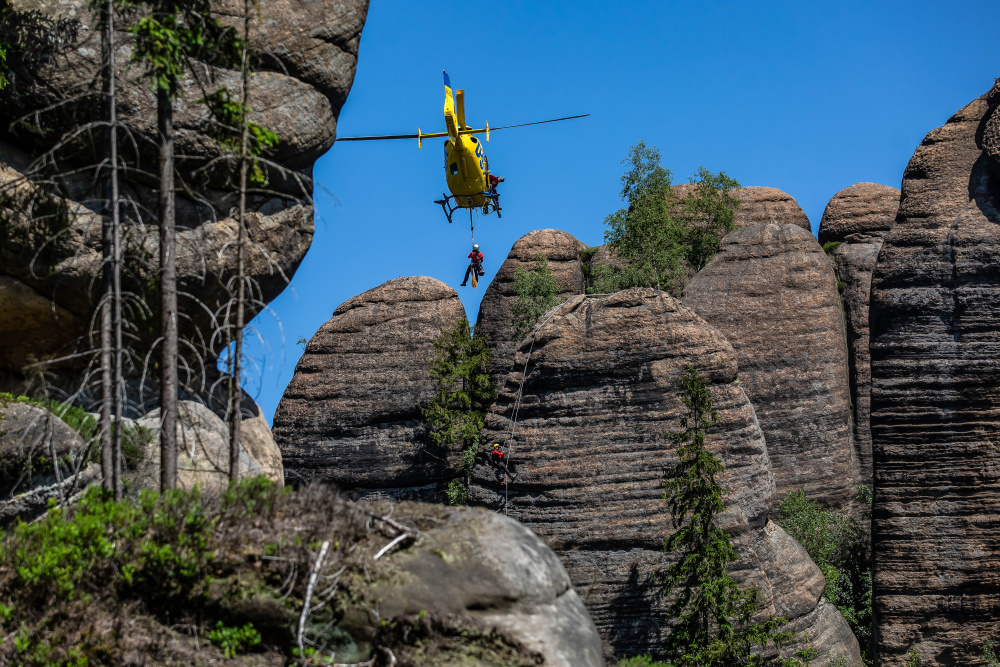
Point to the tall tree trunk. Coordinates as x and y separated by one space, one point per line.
116 269
168 291
107 270
235 384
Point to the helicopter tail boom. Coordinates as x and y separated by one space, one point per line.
451 118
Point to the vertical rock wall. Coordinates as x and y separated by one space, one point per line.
772 292
351 414
935 346
600 399
562 251
858 217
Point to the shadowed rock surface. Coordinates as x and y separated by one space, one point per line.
772 292
562 251
858 217
306 52
935 412
351 414
601 391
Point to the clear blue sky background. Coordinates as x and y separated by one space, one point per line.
808 97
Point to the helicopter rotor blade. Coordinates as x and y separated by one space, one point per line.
431 135
505 127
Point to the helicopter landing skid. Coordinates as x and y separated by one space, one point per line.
449 208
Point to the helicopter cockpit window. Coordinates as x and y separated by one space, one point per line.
474 140
454 168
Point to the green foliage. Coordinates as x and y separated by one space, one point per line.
830 246
234 640
536 291
4 80
462 393
658 237
229 114
913 658
456 492
166 42
642 661
840 547
990 654
714 624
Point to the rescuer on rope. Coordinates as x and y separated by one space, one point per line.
475 263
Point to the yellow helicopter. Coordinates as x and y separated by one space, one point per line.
466 167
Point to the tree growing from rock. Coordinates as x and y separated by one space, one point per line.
537 291
462 396
713 614
658 237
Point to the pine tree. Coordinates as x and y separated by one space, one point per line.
462 396
714 615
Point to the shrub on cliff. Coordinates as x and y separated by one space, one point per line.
462 396
658 237
536 291
840 546
714 615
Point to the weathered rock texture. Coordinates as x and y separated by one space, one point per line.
772 292
351 414
991 129
858 217
761 205
562 251
935 313
600 397
307 50
483 565
31 438
203 450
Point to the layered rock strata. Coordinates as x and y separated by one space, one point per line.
307 55
935 410
773 293
352 413
761 205
562 252
857 218
596 409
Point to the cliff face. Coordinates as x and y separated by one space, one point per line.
351 414
858 218
562 251
600 398
935 311
772 292
306 54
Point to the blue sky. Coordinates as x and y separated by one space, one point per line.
808 97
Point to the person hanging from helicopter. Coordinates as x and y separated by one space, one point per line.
492 193
494 182
498 461
475 263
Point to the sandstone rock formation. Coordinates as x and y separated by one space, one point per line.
351 414
991 128
761 205
31 438
858 217
307 50
772 292
562 251
483 565
935 410
203 450
599 401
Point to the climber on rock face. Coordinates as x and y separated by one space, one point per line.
475 264
498 459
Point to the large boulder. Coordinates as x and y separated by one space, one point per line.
562 251
307 55
42 459
857 218
203 450
761 205
772 292
352 413
935 409
595 413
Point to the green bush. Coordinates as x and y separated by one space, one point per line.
642 661
830 246
234 640
537 291
840 547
